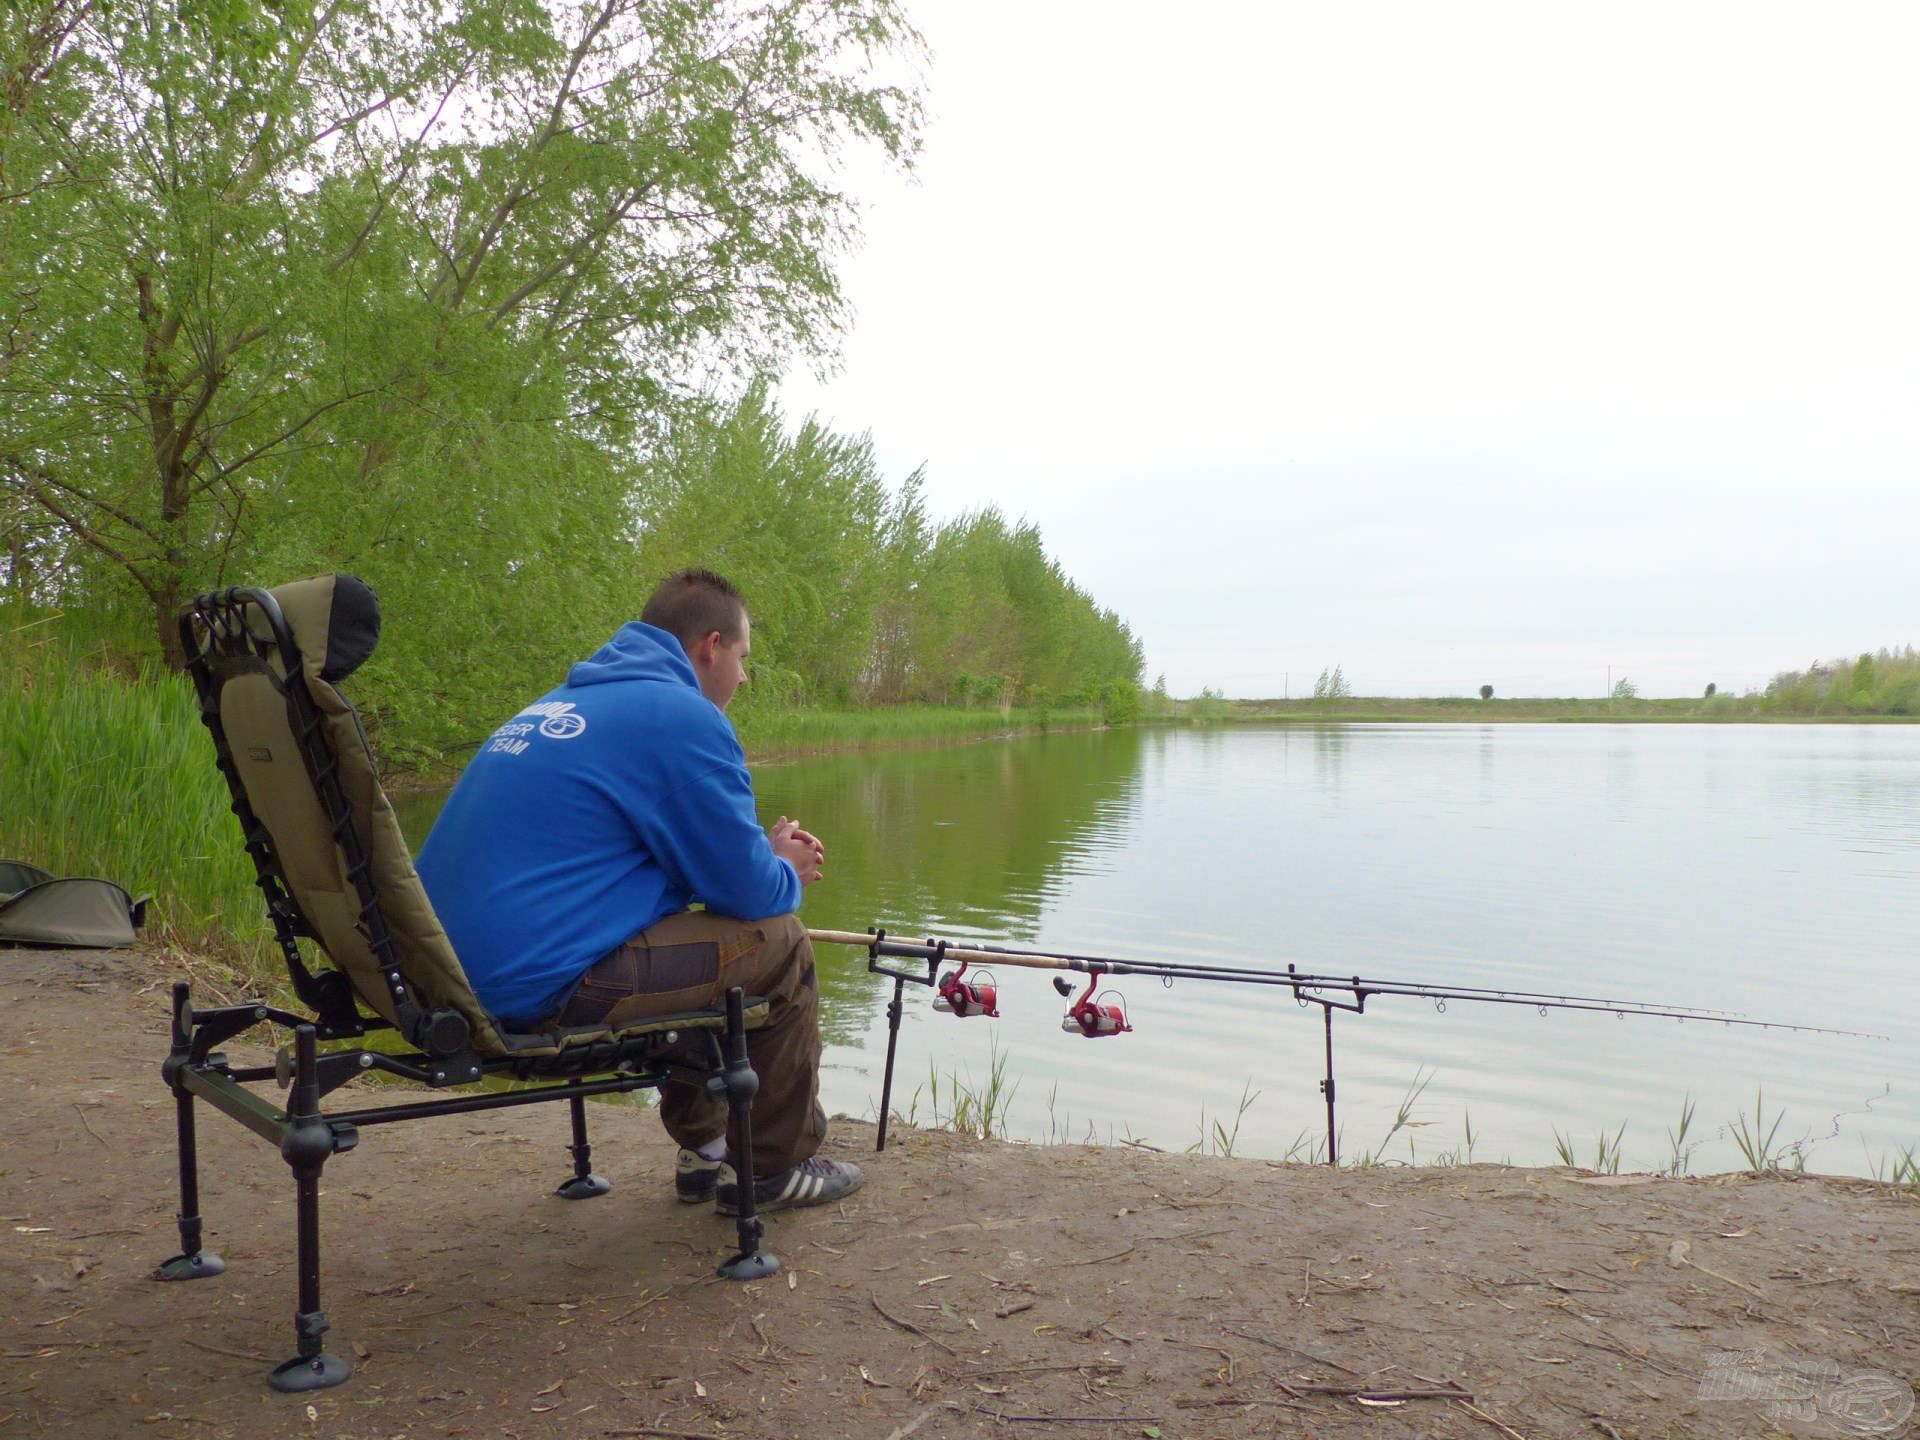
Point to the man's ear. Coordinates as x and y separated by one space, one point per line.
704 647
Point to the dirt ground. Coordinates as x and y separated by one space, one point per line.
968 1289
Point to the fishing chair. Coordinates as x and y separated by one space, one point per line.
335 870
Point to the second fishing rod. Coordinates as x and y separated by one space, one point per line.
1097 1016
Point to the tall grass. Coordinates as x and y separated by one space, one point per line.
1755 1141
105 774
1224 1137
1606 1150
969 1109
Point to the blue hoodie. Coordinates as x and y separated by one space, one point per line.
602 807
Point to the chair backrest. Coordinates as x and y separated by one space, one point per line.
327 848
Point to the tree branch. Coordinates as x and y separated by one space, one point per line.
593 234
294 429
386 195
86 534
47 477
490 234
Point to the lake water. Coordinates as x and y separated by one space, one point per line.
1768 870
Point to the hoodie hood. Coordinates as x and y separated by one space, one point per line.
637 651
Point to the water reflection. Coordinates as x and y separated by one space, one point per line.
971 840
967 840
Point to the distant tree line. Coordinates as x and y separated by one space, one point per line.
1883 682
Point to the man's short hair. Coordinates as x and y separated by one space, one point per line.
690 604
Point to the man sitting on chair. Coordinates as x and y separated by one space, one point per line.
565 859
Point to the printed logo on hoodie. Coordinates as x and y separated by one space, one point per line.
558 721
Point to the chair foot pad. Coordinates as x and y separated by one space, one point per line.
320 1373
749 1265
197 1266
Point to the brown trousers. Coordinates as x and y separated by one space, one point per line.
689 961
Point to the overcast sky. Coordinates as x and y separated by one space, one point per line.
1453 343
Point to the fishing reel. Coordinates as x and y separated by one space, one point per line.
1090 1017
961 997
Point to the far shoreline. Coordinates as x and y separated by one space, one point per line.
1471 710
401 780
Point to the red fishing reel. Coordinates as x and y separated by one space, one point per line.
1090 1017
962 997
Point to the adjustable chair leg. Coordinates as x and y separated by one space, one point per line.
585 1185
741 1085
307 1145
192 1263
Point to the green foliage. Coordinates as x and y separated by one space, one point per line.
1884 682
111 775
1120 701
403 288
1712 690
1563 1149
1332 685
1402 1120
1865 675
1624 689
795 520
1906 1169
1222 1137
976 1110
1209 704
1755 1140
1486 692
424 292
854 590
1157 704
793 730
1681 1152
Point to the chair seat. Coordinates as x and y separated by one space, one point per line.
558 1039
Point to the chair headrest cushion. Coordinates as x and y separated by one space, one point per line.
335 620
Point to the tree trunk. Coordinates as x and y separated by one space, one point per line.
19 568
169 449
167 600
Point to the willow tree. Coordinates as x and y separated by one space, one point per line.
395 283
796 519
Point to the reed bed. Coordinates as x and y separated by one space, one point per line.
110 775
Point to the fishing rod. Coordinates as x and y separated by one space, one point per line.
1097 1016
